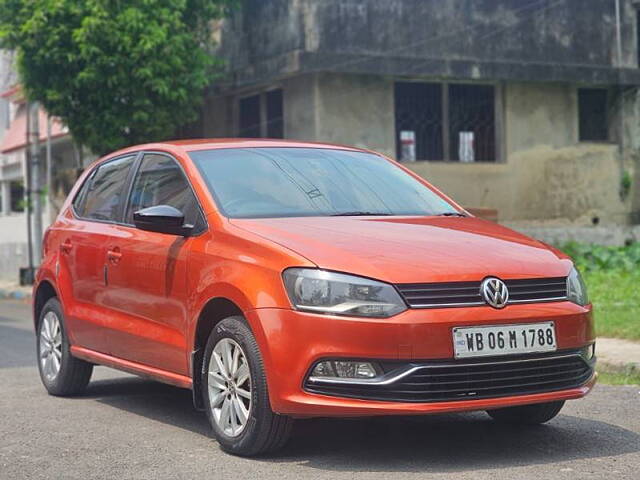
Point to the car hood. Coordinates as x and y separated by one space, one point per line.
413 249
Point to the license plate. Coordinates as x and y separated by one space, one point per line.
504 339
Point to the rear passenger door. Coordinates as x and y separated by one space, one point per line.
83 239
147 271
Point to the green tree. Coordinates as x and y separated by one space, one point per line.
117 72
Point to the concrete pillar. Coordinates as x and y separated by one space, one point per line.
218 118
6 197
356 110
36 184
300 108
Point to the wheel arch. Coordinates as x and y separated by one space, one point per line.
213 312
43 294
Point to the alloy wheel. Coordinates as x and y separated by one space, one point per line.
229 384
50 346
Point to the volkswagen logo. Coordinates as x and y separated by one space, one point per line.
495 292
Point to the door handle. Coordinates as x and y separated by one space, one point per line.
114 255
66 246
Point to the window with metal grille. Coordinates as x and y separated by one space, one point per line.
472 120
261 115
592 115
451 122
250 117
17 196
275 120
419 110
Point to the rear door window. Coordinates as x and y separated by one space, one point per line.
101 197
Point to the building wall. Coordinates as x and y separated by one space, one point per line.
567 32
552 109
13 227
547 177
571 40
542 185
363 104
301 107
13 246
337 60
216 118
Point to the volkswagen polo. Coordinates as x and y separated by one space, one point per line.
281 280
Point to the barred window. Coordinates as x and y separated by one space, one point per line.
275 120
250 117
261 115
451 122
419 109
592 115
17 196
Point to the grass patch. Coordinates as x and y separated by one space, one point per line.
612 275
618 375
616 300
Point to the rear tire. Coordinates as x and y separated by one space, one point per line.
235 393
527 414
60 372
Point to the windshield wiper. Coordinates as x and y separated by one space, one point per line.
359 214
450 214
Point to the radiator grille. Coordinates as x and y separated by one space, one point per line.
462 294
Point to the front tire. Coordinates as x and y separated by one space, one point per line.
235 392
527 414
60 372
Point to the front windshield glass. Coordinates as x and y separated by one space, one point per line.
302 182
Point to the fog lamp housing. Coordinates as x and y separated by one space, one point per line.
344 370
589 352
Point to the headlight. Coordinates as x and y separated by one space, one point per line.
320 291
576 289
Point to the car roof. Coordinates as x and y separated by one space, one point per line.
204 144
219 143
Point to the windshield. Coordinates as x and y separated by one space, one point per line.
303 182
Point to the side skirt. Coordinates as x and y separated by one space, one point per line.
132 367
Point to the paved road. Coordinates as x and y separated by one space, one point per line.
125 427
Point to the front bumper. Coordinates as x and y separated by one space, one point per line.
292 341
485 377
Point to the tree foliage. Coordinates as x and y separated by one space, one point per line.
117 72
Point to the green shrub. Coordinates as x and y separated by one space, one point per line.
597 257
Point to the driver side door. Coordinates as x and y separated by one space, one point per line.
147 271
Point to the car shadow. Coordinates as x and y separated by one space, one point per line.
450 443
147 398
435 443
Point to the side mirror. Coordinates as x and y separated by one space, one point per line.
162 219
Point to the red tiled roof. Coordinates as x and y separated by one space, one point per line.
10 91
16 137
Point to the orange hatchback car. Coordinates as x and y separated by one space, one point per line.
281 280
